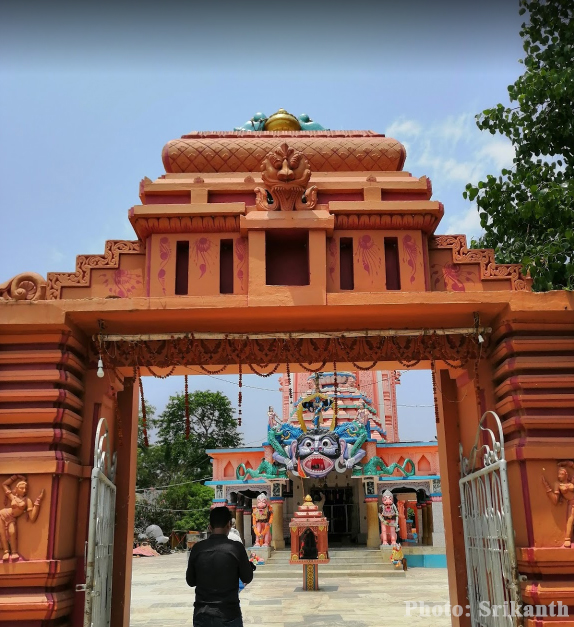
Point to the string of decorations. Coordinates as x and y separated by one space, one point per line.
240 395
187 423
137 375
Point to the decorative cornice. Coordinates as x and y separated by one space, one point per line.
426 222
144 227
24 286
86 263
489 269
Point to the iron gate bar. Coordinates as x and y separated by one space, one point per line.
488 532
100 544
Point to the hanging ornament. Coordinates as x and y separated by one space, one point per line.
187 425
433 376
336 393
289 384
137 373
240 395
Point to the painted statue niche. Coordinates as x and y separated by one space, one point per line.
16 491
389 518
262 519
563 489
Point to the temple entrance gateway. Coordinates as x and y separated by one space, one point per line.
365 283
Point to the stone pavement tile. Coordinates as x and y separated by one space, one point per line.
161 598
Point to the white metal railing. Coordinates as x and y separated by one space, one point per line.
100 544
493 591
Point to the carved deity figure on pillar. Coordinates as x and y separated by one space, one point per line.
389 517
262 520
16 490
563 490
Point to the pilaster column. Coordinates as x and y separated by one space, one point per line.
247 533
239 520
372 507
426 523
277 539
438 538
419 522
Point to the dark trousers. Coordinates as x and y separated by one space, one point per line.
205 620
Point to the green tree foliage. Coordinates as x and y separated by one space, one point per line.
528 211
212 426
173 459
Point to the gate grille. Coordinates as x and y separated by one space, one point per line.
488 531
100 544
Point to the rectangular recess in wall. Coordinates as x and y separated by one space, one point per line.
392 263
287 257
346 270
181 268
226 266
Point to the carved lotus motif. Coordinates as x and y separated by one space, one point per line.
286 173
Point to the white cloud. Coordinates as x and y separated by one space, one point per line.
464 222
403 128
500 152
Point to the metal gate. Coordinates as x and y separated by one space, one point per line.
488 531
100 544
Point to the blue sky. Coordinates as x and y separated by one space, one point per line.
89 94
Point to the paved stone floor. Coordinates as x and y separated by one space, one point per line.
160 597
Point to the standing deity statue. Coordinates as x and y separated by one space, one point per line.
389 517
262 519
563 489
18 504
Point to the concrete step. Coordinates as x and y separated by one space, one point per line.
326 573
367 559
331 566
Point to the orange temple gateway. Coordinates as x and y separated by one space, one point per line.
283 245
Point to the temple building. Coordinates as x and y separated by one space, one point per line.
337 440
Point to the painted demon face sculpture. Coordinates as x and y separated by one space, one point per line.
317 451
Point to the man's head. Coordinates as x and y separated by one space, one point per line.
220 520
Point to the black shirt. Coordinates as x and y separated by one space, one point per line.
214 568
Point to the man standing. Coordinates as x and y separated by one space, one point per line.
215 567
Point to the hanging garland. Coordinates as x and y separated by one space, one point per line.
118 418
240 396
187 424
433 377
264 374
137 374
335 391
288 367
161 376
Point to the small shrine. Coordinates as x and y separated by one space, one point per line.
309 541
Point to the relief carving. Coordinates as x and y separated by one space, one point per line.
286 173
25 286
16 490
563 489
